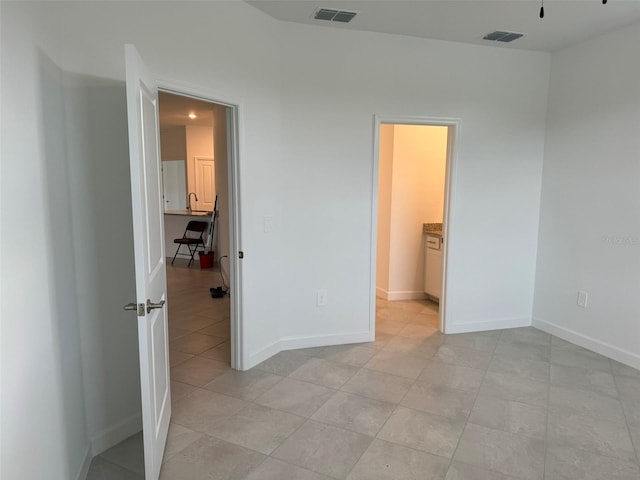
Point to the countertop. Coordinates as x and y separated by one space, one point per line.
432 229
188 213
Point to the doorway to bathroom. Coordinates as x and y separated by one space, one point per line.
412 185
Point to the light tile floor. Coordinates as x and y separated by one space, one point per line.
416 404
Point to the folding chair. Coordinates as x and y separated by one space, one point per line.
191 241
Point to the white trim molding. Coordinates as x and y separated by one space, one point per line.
86 463
603 348
453 147
113 435
235 138
399 295
484 325
293 343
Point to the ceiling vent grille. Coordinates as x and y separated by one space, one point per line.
333 15
500 36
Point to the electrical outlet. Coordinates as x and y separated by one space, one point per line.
583 297
268 223
322 298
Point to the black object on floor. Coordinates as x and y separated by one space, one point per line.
217 292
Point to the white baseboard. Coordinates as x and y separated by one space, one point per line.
485 325
262 355
113 435
611 351
400 295
293 343
86 463
382 293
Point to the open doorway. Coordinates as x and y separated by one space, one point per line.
413 160
195 154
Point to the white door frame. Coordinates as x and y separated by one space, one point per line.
453 145
233 179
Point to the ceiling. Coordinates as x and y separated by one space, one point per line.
566 22
174 110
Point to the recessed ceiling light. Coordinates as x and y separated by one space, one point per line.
192 116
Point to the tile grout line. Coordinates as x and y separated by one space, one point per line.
455 450
413 382
546 430
626 419
111 462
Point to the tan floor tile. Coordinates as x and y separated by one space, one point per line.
202 409
378 385
323 448
452 376
274 469
417 331
198 371
408 366
220 329
176 357
258 428
503 452
439 400
354 412
178 439
283 363
220 352
209 458
294 396
422 431
247 385
324 372
389 461
195 343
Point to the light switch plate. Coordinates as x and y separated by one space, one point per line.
268 223
583 297
322 298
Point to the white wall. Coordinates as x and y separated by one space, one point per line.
590 211
102 235
222 185
42 391
173 143
419 163
385 174
333 82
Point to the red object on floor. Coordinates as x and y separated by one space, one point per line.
206 260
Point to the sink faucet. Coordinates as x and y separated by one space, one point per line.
189 200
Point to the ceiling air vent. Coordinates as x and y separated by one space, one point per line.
500 36
333 15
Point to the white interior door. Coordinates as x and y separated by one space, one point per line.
205 176
148 226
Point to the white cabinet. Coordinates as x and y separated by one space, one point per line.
433 265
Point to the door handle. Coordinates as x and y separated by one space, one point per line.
136 307
151 306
